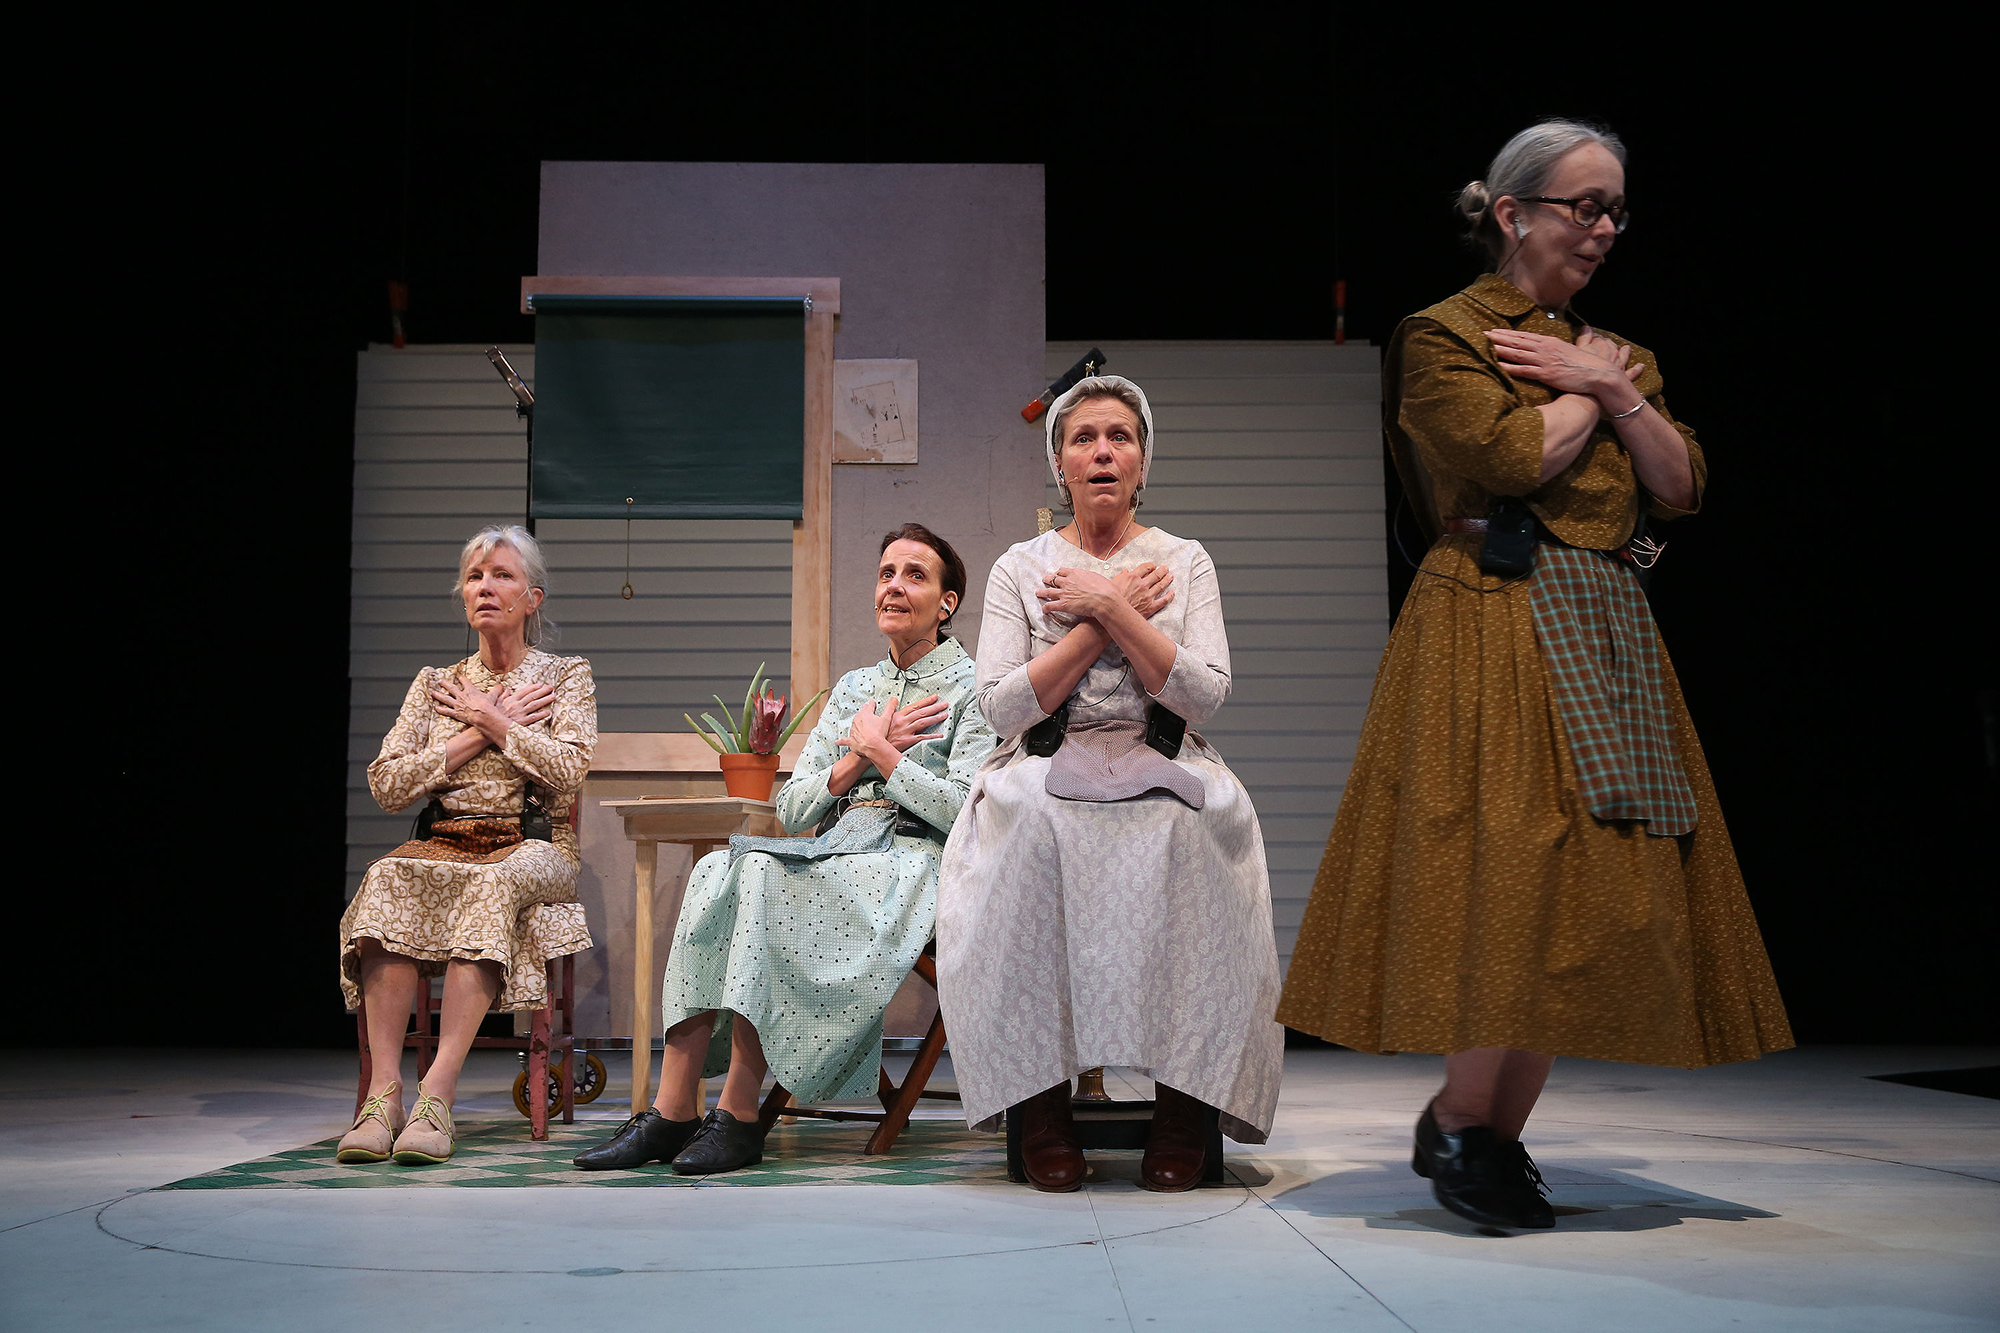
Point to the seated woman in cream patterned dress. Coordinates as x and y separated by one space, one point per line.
486 892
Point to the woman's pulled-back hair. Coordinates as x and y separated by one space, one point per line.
954 568
533 569
1522 169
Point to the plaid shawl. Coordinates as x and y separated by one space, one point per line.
1603 657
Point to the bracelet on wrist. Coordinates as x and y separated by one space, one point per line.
1620 416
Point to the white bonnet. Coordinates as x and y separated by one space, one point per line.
1099 386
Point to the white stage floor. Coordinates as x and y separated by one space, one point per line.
1788 1193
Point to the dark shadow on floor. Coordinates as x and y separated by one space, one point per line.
1982 1081
1604 1199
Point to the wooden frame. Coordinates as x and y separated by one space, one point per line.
812 535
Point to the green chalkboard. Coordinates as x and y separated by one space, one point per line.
692 406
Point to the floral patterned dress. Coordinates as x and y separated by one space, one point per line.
1075 933
515 906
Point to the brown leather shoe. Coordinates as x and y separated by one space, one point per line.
1177 1149
1049 1151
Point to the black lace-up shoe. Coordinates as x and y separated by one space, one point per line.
1531 1204
723 1143
1478 1176
646 1137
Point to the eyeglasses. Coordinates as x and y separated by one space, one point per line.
1585 212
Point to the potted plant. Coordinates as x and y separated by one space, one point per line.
749 748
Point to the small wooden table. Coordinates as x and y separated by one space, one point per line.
704 823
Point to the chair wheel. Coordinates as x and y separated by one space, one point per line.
521 1093
590 1078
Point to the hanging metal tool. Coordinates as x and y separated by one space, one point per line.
1093 361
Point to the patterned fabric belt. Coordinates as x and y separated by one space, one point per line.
1603 656
905 824
865 826
467 839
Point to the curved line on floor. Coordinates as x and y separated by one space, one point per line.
94 1203
1769 1143
1248 1197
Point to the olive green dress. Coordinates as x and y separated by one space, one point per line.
1468 896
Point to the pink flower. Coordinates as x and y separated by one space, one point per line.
767 716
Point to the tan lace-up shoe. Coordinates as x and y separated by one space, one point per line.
375 1129
427 1139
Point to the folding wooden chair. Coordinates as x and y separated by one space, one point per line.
897 1101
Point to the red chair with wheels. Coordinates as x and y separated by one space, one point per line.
542 1085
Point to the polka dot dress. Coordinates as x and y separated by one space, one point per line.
813 951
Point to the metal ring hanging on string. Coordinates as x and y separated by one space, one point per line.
626 591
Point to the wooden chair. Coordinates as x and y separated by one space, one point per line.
897 1101
547 1035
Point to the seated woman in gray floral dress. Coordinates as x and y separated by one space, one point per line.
788 950
498 744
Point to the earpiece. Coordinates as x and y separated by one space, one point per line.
1520 229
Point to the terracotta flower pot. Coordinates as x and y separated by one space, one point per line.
749 775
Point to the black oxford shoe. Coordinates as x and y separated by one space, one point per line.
1478 1176
723 1143
646 1137
1531 1204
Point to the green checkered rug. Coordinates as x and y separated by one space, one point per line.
499 1153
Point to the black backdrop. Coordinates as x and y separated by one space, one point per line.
1204 181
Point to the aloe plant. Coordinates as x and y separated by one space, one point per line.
758 732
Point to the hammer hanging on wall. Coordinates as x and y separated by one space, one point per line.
1092 362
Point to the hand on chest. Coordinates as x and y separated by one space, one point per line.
1047 626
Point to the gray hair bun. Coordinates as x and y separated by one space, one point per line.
1473 201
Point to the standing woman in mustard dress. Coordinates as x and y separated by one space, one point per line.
1529 860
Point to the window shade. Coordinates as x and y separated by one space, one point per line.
692 406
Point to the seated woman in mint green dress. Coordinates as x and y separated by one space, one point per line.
788 950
